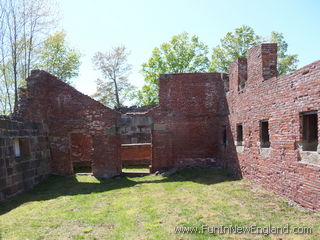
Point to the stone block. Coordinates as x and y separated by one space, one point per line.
4 124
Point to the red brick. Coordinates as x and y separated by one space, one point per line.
188 124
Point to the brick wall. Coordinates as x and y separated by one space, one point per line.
195 124
280 100
138 154
81 149
18 174
75 121
188 121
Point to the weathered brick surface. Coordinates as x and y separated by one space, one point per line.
18 174
134 128
193 112
188 120
136 154
262 62
194 124
280 100
68 112
81 149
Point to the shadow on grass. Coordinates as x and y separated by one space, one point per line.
56 186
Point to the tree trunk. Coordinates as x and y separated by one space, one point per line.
117 93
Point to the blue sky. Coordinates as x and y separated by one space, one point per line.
141 25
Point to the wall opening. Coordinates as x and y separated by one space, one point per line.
242 73
225 78
241 85
239 134
136 146
224 136
81 152
309 131
21 147
264 134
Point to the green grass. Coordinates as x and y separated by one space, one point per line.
135 169
84 207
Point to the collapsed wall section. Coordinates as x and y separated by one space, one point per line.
24 156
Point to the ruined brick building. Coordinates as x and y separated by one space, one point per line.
261 126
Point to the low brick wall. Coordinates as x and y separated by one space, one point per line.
139 154
20 173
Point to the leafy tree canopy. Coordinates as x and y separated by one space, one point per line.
182 54
286 62
57 58
236 44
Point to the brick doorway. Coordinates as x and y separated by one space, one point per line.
136 147
81 150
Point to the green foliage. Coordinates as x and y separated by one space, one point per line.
182 54
24 25
148 95
57 58
235 45
286 62
6 88
105 92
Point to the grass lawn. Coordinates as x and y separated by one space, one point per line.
135 169
84 207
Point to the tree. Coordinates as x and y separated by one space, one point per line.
115 89
5 83
235 45
57 58
286 62
23 26
182 54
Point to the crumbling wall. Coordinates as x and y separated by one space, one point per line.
196 122
184 126
68 115
135 128
22 168
188 121
284 166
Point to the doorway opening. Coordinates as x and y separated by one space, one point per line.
81 150
136 147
